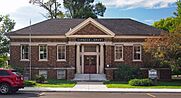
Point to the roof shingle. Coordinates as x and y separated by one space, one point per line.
62 26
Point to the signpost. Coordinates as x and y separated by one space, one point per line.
152 74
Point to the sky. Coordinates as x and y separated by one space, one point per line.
146 11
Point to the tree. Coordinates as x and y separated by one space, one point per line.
178 10
165 50
52 6
6 25
84 8
170 24
167 24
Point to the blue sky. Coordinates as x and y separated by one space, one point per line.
146 11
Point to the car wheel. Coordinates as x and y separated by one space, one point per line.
4 88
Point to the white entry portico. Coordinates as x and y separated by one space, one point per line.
84 50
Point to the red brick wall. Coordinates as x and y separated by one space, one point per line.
52 57
90 30
127 57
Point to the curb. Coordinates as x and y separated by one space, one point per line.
106 91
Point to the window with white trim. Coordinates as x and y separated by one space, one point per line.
44 73
118 52
136 52
24 52
43 53
61 52
61 74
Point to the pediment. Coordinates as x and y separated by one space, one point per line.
90 27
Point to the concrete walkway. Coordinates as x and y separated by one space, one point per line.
98 87
89 86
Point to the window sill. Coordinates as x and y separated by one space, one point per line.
119 60
137 60
42 60
61 60
26 60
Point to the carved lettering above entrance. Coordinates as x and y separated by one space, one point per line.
90 39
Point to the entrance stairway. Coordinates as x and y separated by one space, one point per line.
90 77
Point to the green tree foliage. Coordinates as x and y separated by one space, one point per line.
170 24
6 25
84 8
167 24
52 6
165 51
126 72
3 60
178 11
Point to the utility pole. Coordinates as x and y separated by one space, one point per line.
30 51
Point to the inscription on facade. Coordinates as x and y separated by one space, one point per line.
90 39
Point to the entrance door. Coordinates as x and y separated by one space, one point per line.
90 64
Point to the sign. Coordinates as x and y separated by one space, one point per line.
90 39
152 74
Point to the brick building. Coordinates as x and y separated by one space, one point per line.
61 48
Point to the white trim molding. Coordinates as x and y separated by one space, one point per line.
93 22
36 43
90 36
128 43
22 52
46 59
61 45
44 37
138 37
139 52
122 51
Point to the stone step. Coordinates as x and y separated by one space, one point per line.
90 77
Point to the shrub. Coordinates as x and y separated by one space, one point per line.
40 79
126 72
141 82
30 83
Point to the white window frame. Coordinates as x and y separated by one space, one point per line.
140 52
46 53
58 52
58 77
118 45
43 71
22 59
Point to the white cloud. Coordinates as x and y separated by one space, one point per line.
128 4
22 11
149 21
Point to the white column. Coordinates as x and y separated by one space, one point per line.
97 65
78 58
102 58
82 59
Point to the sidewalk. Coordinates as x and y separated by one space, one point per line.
98 87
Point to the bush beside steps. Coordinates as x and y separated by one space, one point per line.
141 82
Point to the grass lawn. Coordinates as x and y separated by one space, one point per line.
57 84
175 84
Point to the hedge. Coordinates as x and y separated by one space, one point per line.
141 82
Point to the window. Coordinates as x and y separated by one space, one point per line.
43 52
44 73
4 73
61 52
136 52
60 74
118 52
91 48
24 52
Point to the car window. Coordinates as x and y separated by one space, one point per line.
16 73
4 73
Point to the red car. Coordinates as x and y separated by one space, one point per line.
10 81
